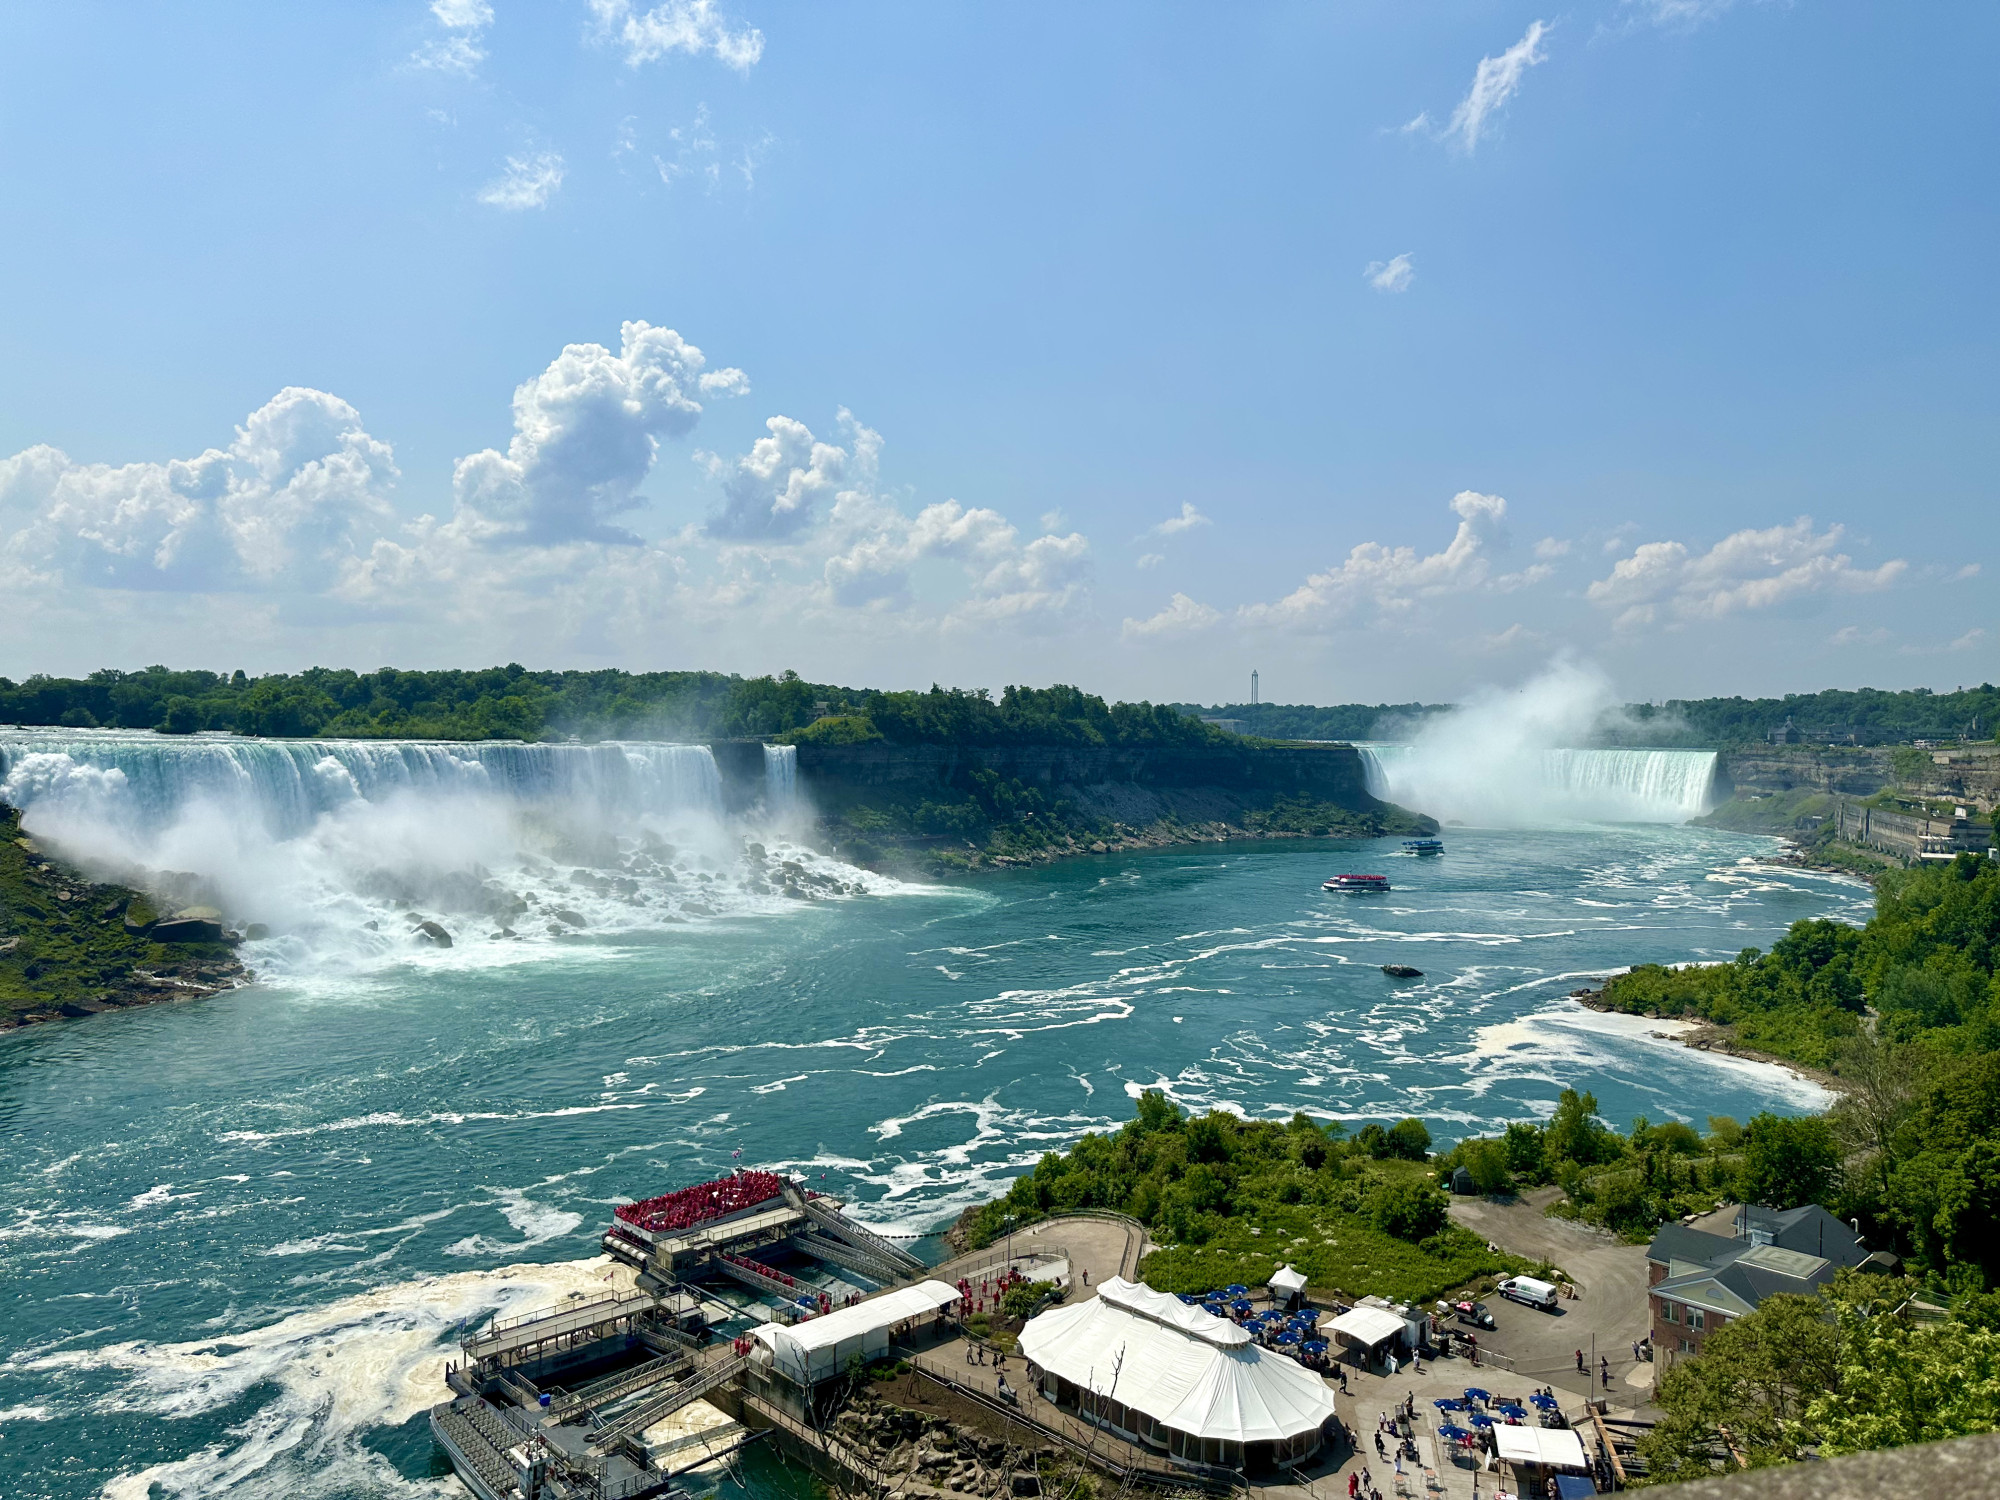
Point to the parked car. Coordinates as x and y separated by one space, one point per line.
1529 1292
1478 1314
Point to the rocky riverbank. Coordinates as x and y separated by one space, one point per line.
71 946
1706 1036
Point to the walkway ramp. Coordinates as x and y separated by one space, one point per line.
646 1413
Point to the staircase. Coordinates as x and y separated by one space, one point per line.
666 1404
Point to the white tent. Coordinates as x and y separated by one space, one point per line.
1285 1283
819 1348
1551 1447
1368 1326
1175 1376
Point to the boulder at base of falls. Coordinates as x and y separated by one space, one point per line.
432 932
139 915
193 924
1402 971
564 914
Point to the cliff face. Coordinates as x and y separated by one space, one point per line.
1968 774
961 806
1331 773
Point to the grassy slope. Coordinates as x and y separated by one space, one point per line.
67 944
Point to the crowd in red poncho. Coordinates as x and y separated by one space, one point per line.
686 1207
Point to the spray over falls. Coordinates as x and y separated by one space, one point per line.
342 849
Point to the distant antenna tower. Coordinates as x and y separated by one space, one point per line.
1253 687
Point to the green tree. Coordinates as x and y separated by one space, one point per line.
1574 1133
1409 1140
1789 1162
1486 1161
1746 1393
1409 1210
1527 1154
1900 1381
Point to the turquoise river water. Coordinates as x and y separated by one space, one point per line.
237 1236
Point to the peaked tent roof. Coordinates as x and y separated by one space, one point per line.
1286 1280
1184 1368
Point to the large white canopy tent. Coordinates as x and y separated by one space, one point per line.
1549 1448
819 1348
1177 1378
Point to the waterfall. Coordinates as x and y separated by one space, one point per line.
354 843
781 780
1509 787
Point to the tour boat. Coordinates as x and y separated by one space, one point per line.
1357 883
1423 846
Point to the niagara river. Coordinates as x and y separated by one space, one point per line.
240 1235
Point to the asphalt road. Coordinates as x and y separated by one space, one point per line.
1603 1321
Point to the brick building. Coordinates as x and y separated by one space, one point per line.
1698 1281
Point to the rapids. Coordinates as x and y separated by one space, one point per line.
239 1235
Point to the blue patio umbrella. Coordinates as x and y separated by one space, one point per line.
1481 1420
1509 1409
1241 1304
1448 1403
1314 1346
1454 1434
1546 1403
1309 1316
1236 1290
1289 1336
1474 1393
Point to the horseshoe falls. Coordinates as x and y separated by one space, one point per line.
1507 786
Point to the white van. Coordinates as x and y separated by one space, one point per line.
1530 1293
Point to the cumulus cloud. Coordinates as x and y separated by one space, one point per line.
527 182
1391 275
1854 635
289 526
586 433
1182 616
1551 547
458 49
693 27
1187 520
1393 578
1150 560
771 491
1746 570
1495 81
290 503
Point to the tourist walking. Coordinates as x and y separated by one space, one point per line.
1579 1362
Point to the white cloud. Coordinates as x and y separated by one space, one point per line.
1550 547
289 528
772 490
527 182
1679 15
586 432
290 503
1495 81
1391 275
1182 616
1187 520
1150 560
1393 578
1967 641
458 50
1746 570
693 27
1422 122
1854 635
1053 520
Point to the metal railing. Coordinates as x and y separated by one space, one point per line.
623 1383
660 1407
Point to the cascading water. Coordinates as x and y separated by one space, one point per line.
1528 786
344 848
781 781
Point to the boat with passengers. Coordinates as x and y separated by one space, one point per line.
1357 883
1423 846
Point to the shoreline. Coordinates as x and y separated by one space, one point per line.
1707 1036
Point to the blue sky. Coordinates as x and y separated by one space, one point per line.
1390 350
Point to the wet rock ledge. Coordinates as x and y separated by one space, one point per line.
70 946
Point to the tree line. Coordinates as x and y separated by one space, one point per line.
512 702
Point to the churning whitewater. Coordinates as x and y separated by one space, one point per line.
341 849
243 1233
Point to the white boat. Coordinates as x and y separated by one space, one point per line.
1357 883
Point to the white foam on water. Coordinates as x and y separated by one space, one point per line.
343 848
362 1363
